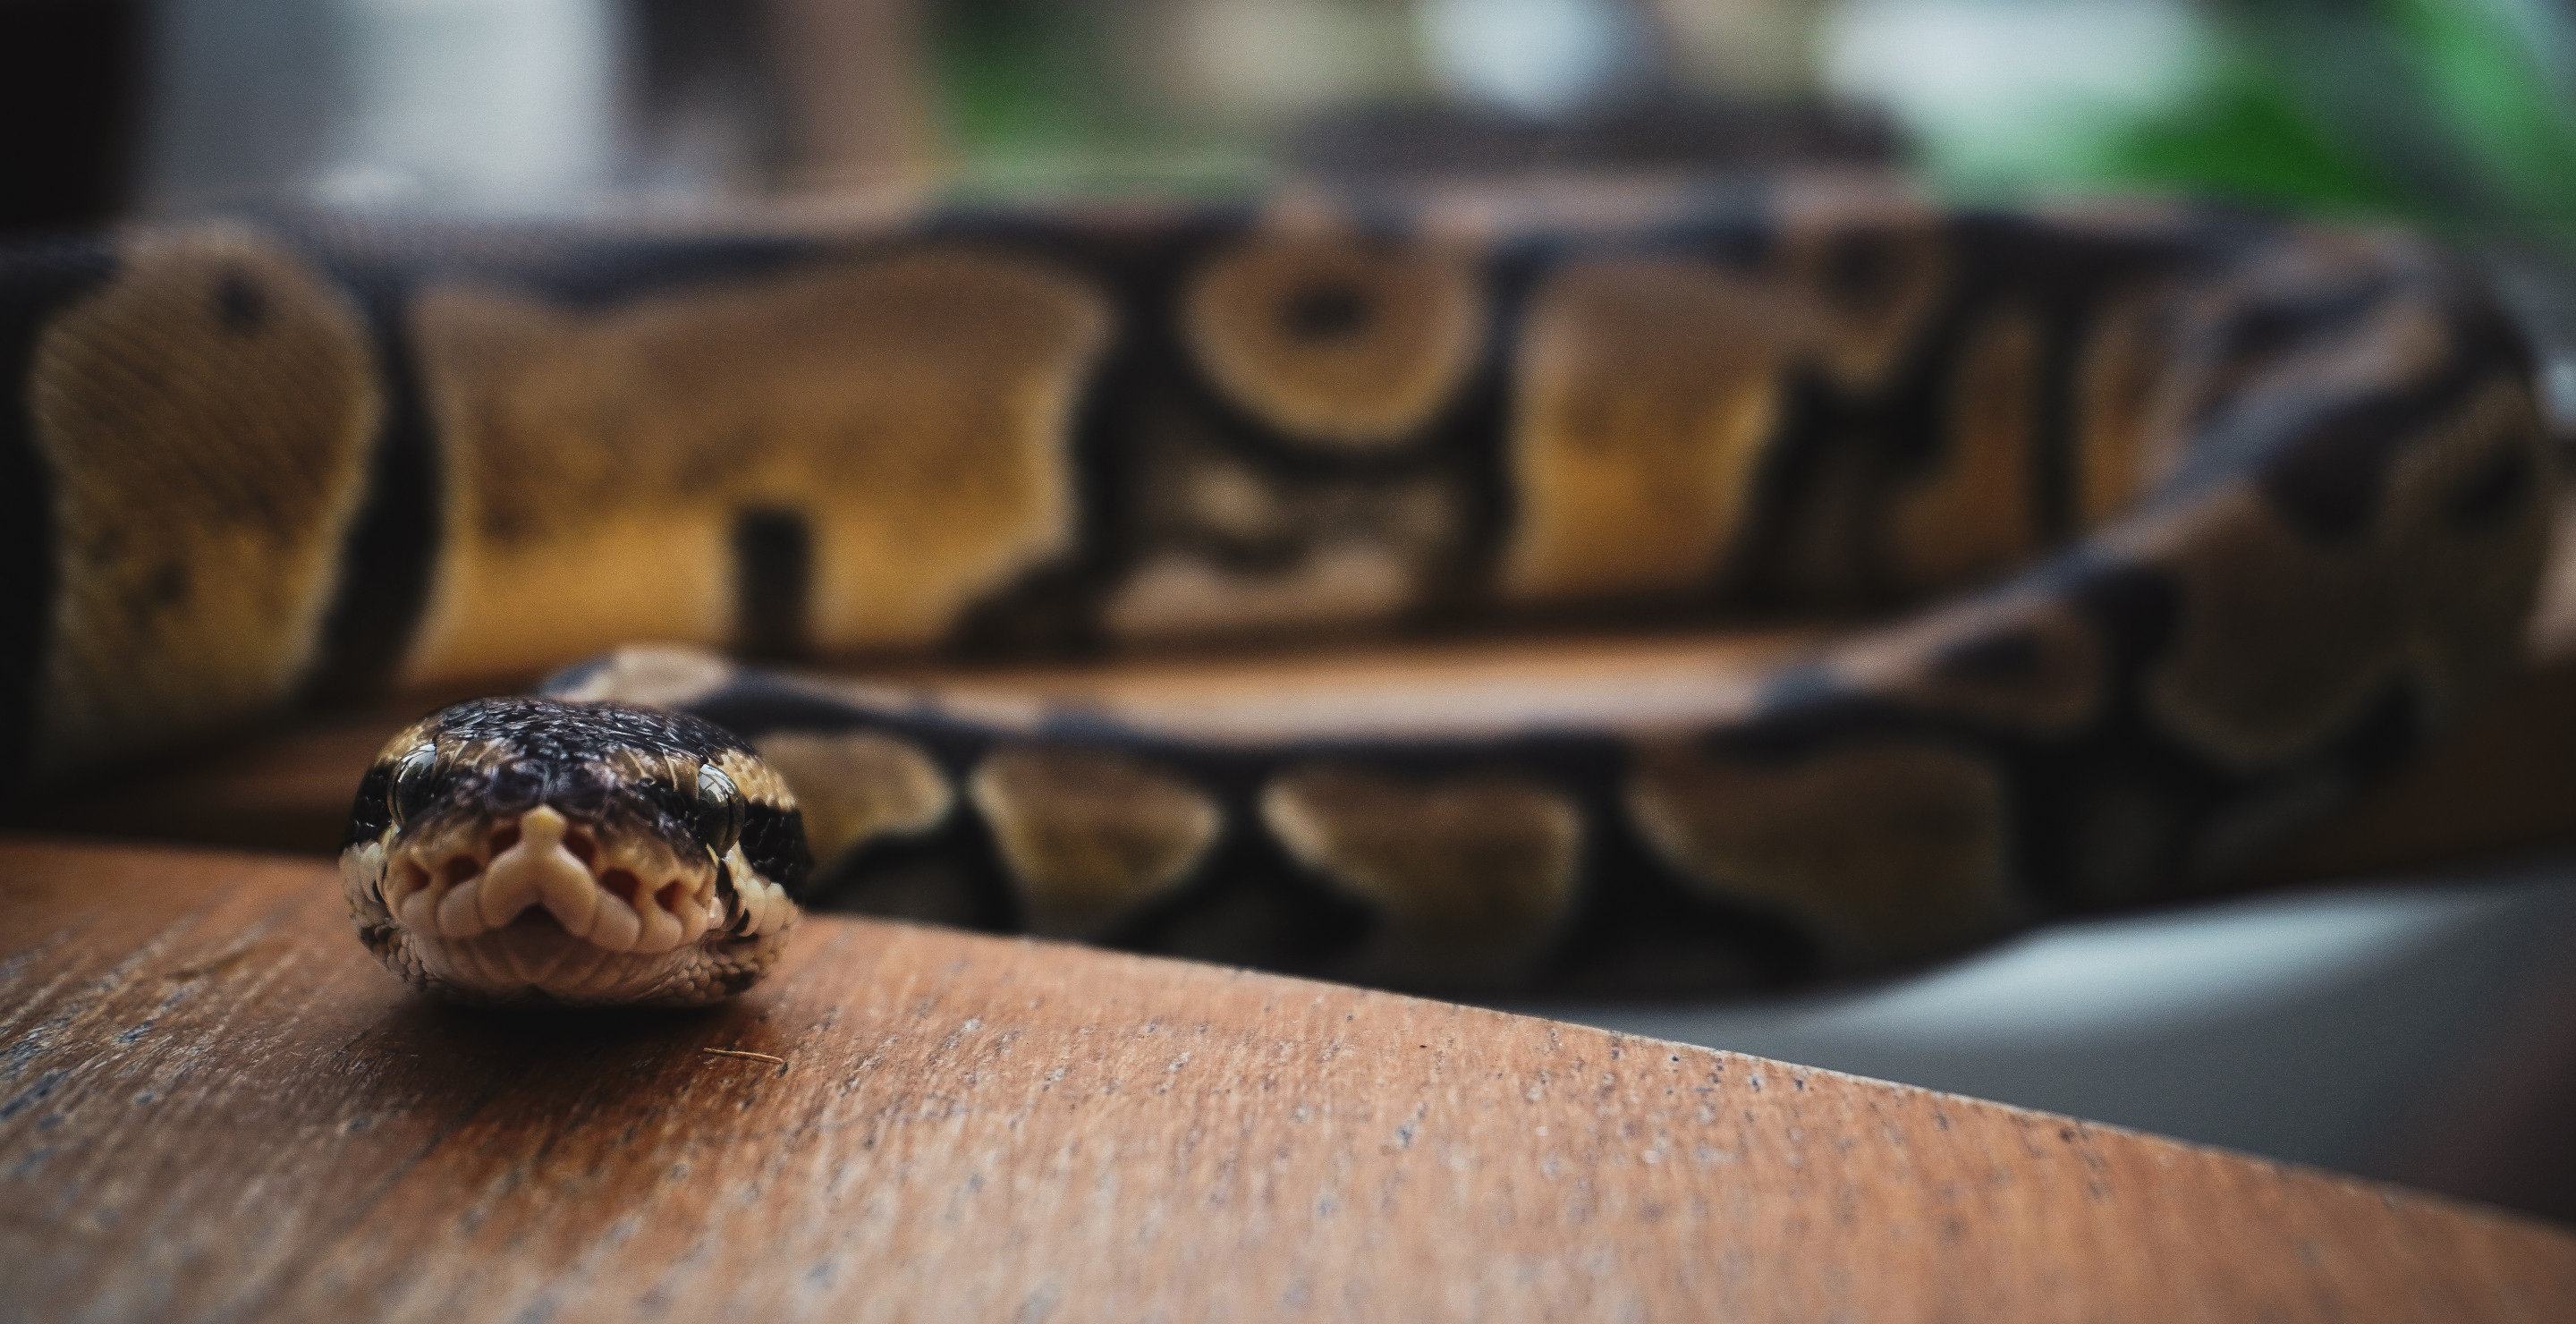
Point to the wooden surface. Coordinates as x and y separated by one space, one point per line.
214 1106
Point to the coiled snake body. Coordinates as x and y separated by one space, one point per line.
2176 526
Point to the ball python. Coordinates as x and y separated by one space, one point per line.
2145 532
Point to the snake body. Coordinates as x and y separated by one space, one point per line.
2174 527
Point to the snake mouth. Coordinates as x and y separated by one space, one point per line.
623 894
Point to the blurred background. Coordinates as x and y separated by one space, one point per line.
2456 112
2422 1029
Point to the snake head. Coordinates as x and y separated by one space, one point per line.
527 849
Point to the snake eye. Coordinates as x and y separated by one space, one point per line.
719 811
415 777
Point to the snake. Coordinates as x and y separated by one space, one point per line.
2132 535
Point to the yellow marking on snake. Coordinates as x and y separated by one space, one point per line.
857 787
1884 852
208 417
758 781
1471 875
913 410
1646 394
1177 595
1973 515
653 677
1350 551
1087 837
2128 434
1337 341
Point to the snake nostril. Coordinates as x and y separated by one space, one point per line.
517 786
623 882
461 867
669 897
505 836
409 878
582 847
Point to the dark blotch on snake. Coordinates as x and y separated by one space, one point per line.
240 308
2002 657
2492 491
773 559
773 843
2329 478
1325 311
2136 607
1859 271
169 586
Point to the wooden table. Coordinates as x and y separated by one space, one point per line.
214 1106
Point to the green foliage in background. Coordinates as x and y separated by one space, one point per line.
1044 93
2245 133
2510 103
2456 112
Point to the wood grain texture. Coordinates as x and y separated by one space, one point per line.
214 1106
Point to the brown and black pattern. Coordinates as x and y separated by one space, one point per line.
905 414
1340 341
1647 393
1469 877
2156 533
1088 837
204 419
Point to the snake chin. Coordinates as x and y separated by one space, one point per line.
539 907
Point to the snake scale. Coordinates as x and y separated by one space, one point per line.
2149 533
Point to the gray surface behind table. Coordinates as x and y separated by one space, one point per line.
2418 1029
